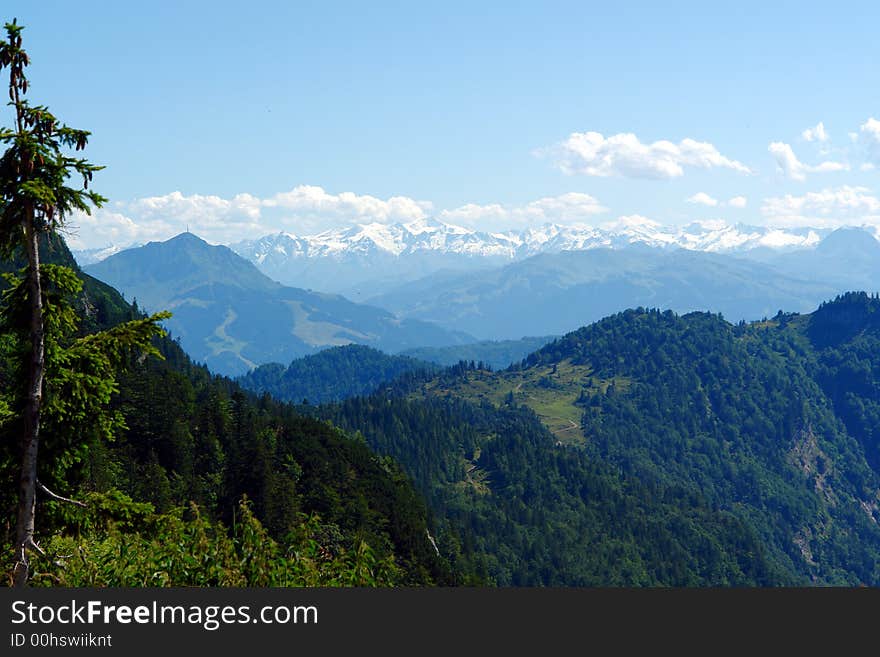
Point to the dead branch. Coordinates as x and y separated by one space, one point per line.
60 498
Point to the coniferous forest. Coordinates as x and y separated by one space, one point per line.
711 453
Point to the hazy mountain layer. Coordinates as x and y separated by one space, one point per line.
555 293
232 317
367 259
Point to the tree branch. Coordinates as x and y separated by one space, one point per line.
60 498
32 544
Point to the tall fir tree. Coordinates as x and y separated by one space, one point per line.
35 202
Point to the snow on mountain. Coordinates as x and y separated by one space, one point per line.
718 237
428 235
436 238
86 257
363 260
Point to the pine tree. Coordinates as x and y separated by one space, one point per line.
35 201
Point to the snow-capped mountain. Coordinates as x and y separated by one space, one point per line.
364 259
358 259
85 257
426 235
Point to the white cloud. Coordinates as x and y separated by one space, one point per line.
473 213
793 168
869 136
197 208
573 207
222 220
159 217
816 133
702 198
592 154
105 227
305 209
309 202
829 208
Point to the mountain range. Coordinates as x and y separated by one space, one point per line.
232 317
358 260
847 259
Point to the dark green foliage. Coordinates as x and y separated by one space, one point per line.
196 437
81 371
184 436
520 510
738 415
330 375
715 454
847 333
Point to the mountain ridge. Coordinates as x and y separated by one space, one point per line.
551 294
232 317
354 259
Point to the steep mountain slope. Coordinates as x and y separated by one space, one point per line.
527 512
772 426
184 263
232 317
555 293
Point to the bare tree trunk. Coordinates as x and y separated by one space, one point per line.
24 531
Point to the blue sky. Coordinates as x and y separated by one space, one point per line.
247 118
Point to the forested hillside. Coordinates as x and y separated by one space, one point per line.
534 513
646 449
752 444
207 485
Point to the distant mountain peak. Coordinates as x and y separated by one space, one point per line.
186 261
846 242
186 237
432 236
231 316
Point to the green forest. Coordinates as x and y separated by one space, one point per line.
333 374
204 484
722 454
